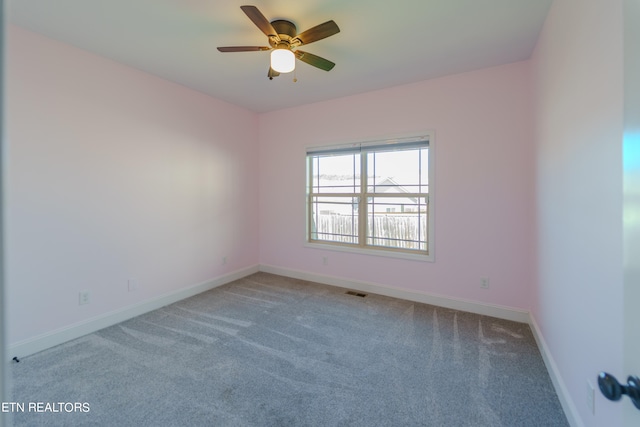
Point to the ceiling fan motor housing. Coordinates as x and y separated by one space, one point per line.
284 28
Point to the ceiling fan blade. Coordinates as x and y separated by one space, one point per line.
272 73
243 48
315 60
318 32
261 22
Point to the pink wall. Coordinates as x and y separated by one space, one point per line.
113 174
484 182
578 75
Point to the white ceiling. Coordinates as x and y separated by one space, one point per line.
382 43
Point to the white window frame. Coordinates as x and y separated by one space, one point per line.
362 248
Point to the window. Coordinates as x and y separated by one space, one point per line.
372 197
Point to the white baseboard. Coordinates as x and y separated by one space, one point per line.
568 406
62 335
500 312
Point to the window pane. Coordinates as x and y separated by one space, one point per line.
398 171
334 219
424 171
336 174
397 222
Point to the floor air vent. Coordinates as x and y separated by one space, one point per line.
356 294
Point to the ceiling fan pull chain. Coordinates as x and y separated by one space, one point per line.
295 76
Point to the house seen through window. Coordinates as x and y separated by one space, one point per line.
371 196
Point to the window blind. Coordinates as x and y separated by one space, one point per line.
384 145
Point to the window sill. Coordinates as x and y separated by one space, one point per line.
374 252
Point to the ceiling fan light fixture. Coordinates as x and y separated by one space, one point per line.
283 60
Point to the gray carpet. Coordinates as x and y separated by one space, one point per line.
272 351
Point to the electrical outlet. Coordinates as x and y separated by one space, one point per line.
84 297
325 260
224 260
591 397
132 285
484 282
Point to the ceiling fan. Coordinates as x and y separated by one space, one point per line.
284 41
